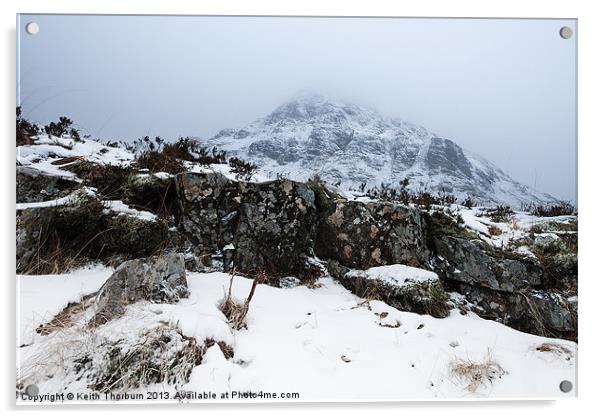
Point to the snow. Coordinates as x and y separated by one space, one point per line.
115 206
120 208
66 200
519 225
324 343
397 275
43 204
225 170
42 296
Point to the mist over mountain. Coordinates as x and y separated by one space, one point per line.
349 146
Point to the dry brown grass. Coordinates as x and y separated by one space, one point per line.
476 374
555 349
68 315
236 312
163 354
494 230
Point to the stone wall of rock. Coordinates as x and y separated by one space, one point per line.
422 297
269 225
278 225
361 235
282 226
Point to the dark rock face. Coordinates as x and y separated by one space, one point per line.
468 262
33 186
508 290
157 279
362 235
279 225
446 156
269 225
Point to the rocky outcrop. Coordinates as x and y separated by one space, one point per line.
504 287
249 225
279 225
468 262
557 254
403 287
34 186
361 235
158 279
287 228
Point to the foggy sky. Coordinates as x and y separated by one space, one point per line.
504 89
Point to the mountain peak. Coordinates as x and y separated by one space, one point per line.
349 145
316 108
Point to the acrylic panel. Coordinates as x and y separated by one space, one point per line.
295 209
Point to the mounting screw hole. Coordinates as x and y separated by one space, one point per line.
32 28
566 32
566 386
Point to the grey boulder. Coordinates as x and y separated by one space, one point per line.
157 279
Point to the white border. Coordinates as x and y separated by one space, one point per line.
590 205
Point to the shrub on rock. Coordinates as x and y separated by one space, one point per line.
55 239
135 236
151 193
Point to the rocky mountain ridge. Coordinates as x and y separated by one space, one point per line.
355 147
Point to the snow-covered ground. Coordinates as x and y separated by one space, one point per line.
323 343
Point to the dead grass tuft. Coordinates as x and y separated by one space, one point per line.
68 315
236 312
474 375
494 230
163 354
555 349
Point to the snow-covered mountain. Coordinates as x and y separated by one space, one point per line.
349 145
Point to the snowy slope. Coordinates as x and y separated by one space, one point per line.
324 343
350 145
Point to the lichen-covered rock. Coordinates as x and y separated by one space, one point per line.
504 287
403 287
158 279
361 235
534 311
469 262
269 225
34 186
